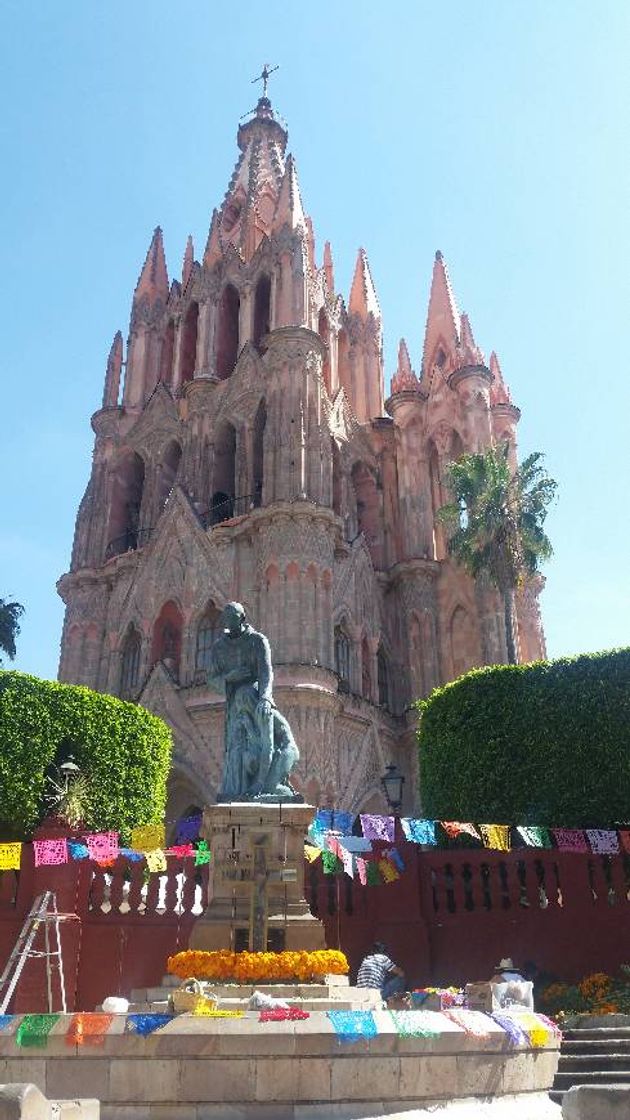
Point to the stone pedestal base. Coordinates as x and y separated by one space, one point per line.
257 866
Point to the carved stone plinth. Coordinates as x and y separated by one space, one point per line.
258 898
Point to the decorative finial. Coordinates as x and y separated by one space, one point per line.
264 76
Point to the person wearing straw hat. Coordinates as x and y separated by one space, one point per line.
505 972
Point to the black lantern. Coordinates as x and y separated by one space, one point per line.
392 783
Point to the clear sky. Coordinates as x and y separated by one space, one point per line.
494 130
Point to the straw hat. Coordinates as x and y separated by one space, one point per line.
506 964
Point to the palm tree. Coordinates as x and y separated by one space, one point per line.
10 614
497 517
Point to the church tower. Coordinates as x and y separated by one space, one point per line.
250 455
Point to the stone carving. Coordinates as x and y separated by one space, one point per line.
260 750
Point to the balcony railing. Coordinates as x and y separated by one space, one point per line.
128 542
218 513
228 508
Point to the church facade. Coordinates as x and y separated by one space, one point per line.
251 455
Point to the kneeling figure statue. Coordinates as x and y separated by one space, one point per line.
260 750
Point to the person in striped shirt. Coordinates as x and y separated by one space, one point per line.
377 970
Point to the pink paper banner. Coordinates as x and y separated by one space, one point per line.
362 870
102 846
50 852
570 839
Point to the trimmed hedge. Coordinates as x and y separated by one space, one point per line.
546 743
123 750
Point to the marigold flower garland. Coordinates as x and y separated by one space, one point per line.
247 968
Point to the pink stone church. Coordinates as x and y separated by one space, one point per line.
250 454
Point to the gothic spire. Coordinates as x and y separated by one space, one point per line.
112 372
328 268
404 379
289 210
189 257
470 353
253 190
153 281
212 251
363 299
443 322
499 390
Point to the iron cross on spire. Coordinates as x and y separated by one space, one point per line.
264 76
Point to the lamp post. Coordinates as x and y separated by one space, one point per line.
392 783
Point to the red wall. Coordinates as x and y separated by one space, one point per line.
448 919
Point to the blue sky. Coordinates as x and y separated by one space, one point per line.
494 131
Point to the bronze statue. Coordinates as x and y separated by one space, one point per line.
260 750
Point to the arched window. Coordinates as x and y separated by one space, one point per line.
259 453
342 658
224 474
368 509
166 356
262 310
124 518
167 637
228 331
130 665
208 631
189 343
168 473
323 329
366 670
383 678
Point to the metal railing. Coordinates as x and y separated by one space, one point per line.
128 541
228 508
218 513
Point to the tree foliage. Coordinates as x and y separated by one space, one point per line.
122 749
545 744
497 519
10 614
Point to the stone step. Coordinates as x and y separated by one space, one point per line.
595 1063
564 1081
595 1046
355 997
161 1006
584 1034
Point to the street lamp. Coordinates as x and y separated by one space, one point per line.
392 783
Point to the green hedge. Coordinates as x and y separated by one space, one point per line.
546 743
123 750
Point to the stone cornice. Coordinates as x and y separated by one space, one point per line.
465 372
506 408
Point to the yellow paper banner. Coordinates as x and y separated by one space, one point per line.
156 860
311 853
148 837
496 836
10 855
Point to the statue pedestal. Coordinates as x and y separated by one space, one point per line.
257 865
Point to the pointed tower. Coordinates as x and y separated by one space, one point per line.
113 371
442 331
149 302
361 368
404 379
187 264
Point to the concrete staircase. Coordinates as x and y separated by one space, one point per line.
334 994
592 1056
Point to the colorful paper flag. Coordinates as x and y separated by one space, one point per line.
50 853
570 839
376 827
89 1028
535 837
102 846
496 836
419 831
10 856
156 860
203 854
455 828
603 841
